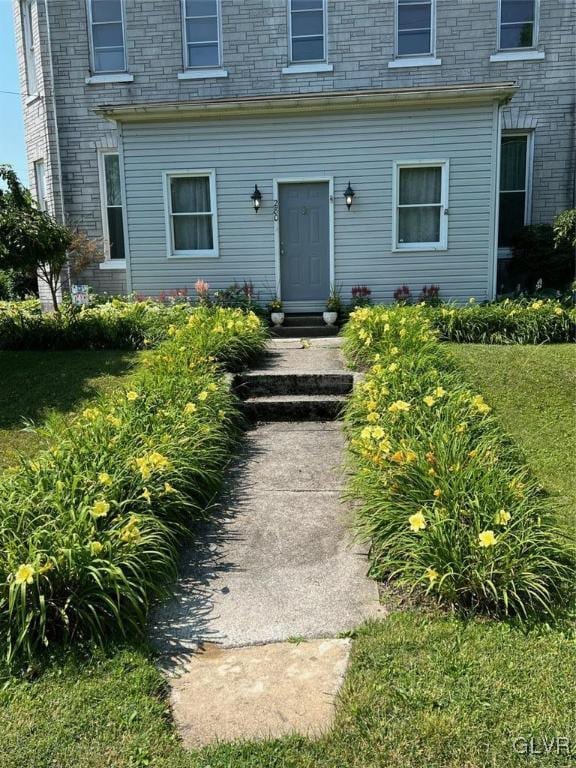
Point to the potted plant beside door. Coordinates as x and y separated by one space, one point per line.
276 314
333 308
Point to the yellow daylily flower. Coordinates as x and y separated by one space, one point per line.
131 395
114 420
439 392
479 404
100 508
146 495
432 575
429 400
400 406
96 548
104 478
502 517
437 493
203 395
24 574
169 488
190 408
486 539
373 416
417 522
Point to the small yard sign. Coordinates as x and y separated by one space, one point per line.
80 294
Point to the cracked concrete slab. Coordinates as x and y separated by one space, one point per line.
277 559
277 689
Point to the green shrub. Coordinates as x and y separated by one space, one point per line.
89 528
522 321
446 500
116 324
536 258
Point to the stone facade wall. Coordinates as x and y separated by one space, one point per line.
360 44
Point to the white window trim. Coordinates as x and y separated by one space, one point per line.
442 245
415 56
306 69
504 252
202 74
29 50
203 68
109 262
299 63
524 54
417 61
98 73
535 32
113 77
171 253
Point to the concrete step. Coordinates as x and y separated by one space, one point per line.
294 407
291 321
304 331
270 383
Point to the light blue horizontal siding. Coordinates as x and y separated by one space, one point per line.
360 146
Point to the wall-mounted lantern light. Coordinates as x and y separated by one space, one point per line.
349 195
256 198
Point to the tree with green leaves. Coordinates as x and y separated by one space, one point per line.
31 241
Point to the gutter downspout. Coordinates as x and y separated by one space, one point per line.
56 130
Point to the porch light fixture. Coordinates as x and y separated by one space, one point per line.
256 198
349 195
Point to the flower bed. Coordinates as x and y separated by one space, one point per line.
538 321
446 499
89 529
117 324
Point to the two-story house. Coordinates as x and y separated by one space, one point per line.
300 144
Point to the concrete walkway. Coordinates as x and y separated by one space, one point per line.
276 563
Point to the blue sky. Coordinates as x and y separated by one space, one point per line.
11 126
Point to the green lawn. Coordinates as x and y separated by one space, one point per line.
36 383
533 393
423 689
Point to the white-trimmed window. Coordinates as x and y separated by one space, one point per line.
112 205
307 31
40 184
28 44
415 27
515 185
107 44
201 19
190 199
421 205
517 24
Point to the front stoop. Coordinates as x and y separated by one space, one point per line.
304 327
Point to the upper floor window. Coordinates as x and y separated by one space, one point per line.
414 27
40 184
112 204
202 33
307 30
28 44
107 35
517 24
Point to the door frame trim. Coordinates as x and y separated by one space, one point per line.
277 182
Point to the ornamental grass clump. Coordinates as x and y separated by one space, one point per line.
520 321
445 498
89 528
